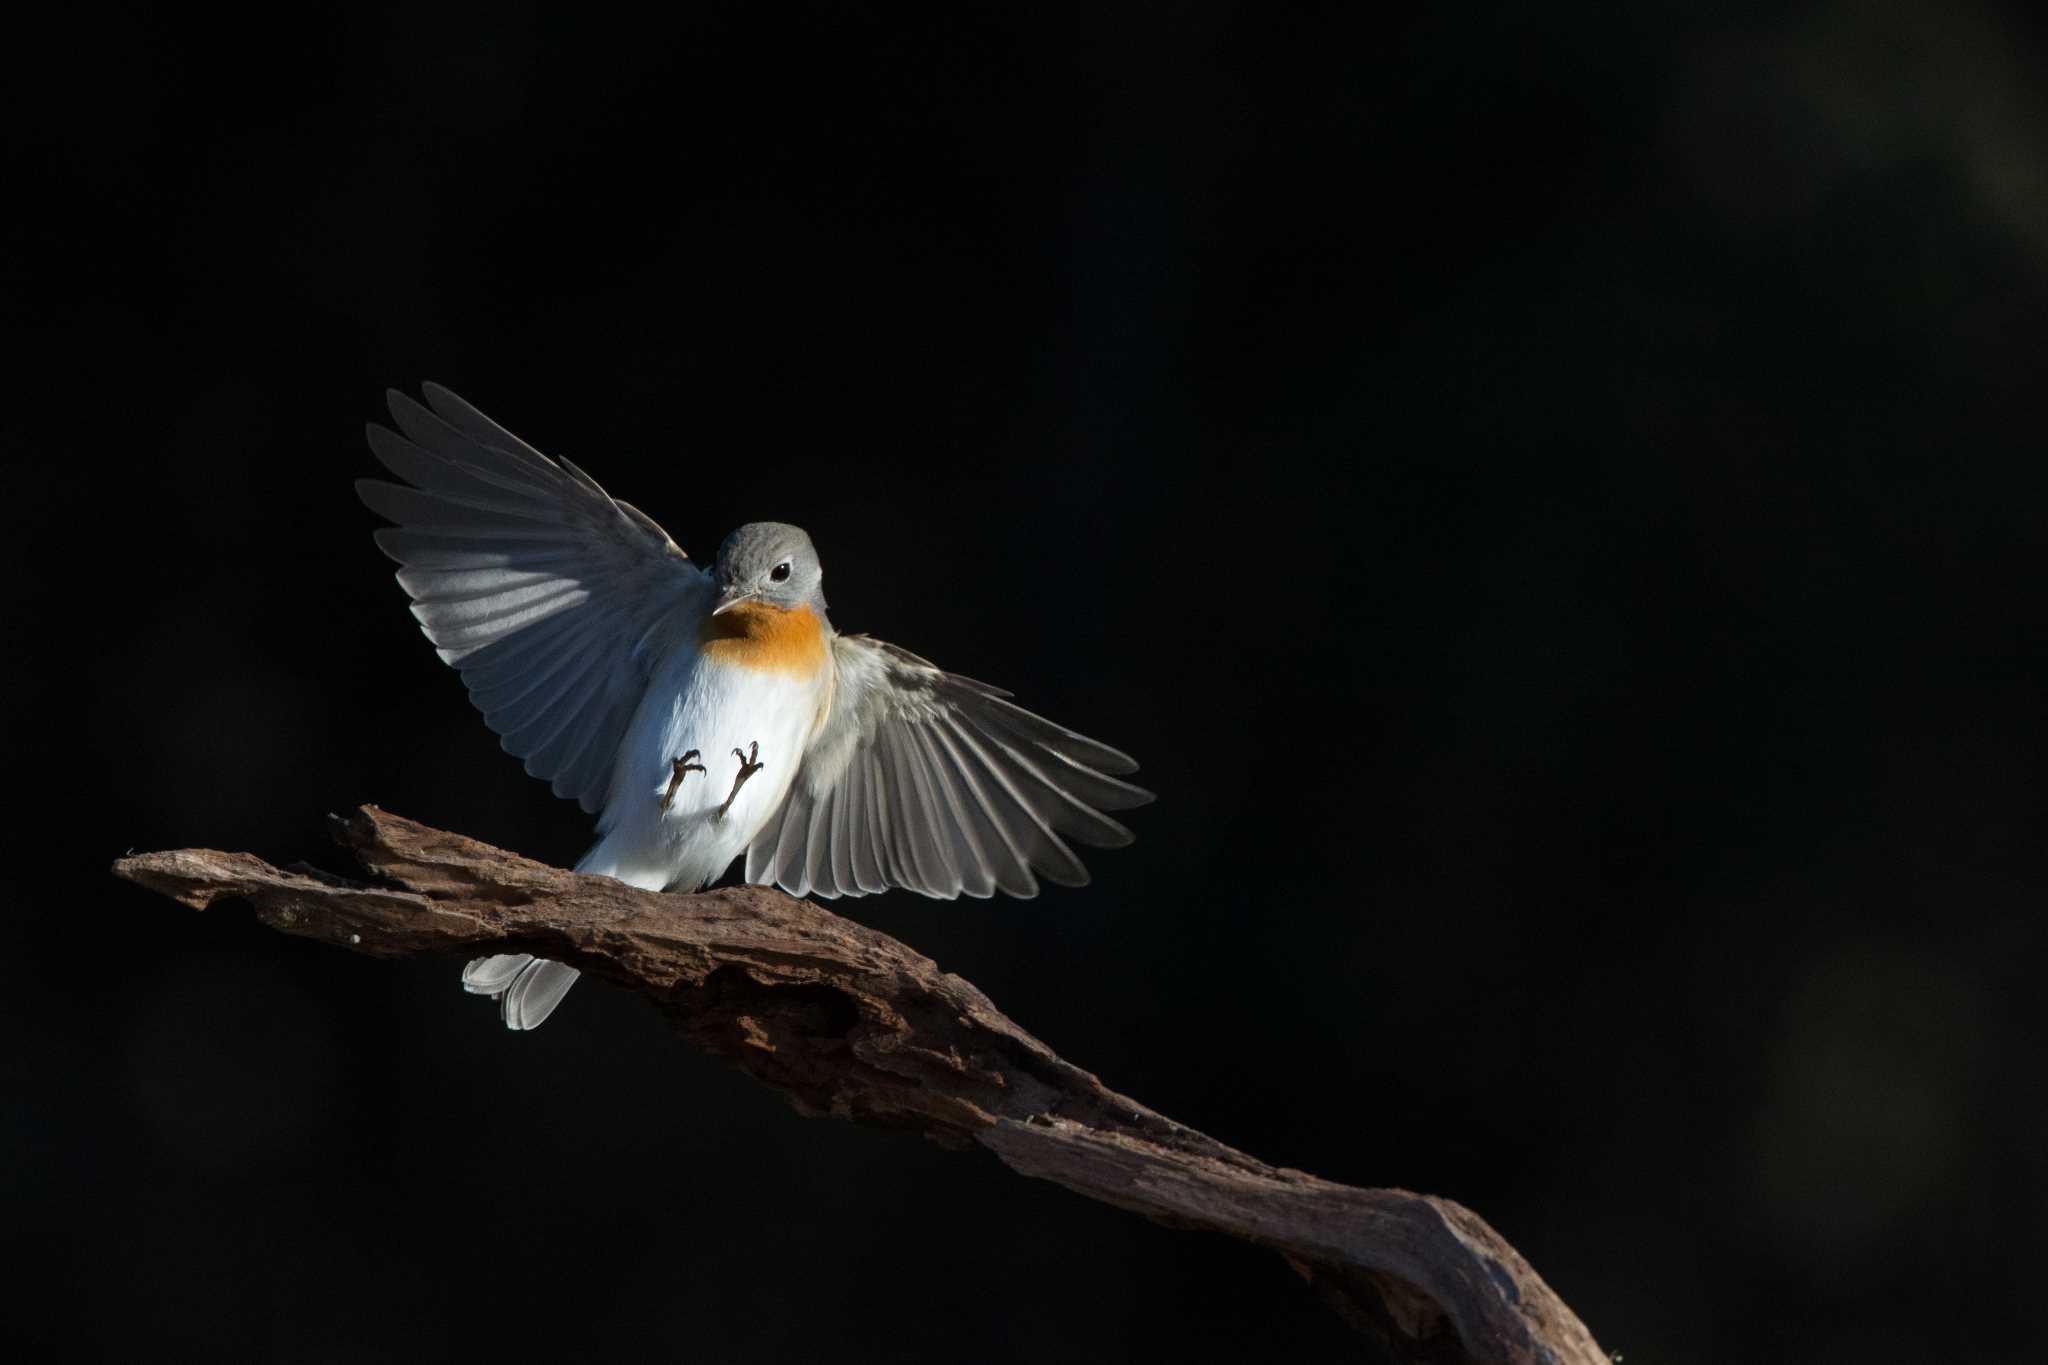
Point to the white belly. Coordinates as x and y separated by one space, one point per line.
713 708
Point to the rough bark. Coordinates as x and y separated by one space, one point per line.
846 1021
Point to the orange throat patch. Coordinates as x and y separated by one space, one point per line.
774 639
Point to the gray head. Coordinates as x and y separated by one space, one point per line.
772 562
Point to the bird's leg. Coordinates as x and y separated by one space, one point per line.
748 767
675 776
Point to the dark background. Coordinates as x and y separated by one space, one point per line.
1552 495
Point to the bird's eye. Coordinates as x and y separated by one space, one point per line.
780 571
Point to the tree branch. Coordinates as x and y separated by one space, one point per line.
846 1021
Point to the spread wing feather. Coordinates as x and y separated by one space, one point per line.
932 782
553 599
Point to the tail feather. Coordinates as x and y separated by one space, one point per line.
527 988
492 975
536 991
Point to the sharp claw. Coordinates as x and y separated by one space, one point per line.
677 768
748 767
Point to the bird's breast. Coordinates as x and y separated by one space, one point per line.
768 638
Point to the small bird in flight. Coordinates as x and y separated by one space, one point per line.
636 682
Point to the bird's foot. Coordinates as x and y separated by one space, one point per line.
748 767
675 776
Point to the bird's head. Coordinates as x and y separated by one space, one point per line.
769 562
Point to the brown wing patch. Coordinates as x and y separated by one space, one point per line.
774 639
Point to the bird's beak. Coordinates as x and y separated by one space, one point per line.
730 597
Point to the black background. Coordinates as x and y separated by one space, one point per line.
1552 495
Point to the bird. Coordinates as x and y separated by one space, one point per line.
703 713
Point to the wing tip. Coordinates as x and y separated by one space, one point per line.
1111 834
398 401
1105 759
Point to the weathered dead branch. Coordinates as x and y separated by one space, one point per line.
848 1022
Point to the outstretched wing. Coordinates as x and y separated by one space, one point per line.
932 782
554 600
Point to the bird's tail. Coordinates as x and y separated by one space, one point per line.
527 988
